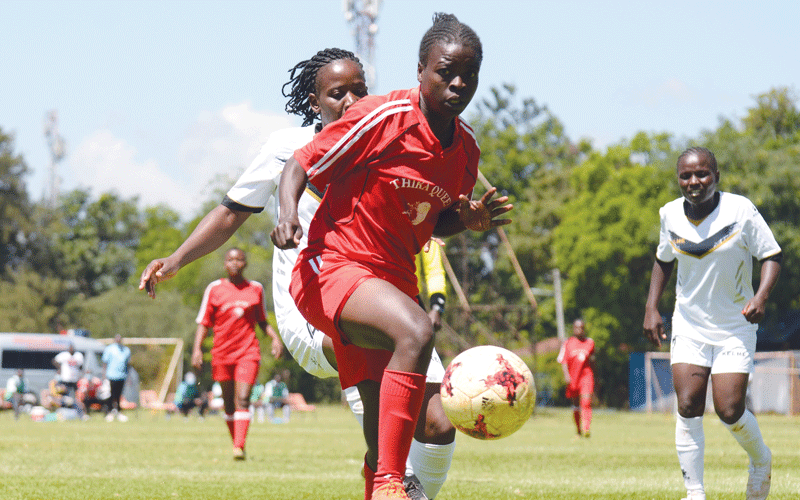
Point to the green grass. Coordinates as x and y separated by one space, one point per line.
319 455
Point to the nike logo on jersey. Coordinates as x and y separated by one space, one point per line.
705 247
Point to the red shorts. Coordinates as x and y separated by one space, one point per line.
321 291
245 371
584 385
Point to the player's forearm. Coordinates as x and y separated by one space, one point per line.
292 185
449 224
211 233
199 336
658 282
770 271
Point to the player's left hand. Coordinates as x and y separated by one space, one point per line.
480 215
754 310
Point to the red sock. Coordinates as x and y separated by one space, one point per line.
586 413
241 422
576 414
401 399
229 422
369 480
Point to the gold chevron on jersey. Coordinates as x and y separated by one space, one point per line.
705 247
354 134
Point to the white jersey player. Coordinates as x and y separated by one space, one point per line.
714 237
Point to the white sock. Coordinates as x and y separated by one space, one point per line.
430 463
690 443
748 434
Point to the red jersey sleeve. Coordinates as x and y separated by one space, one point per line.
260 312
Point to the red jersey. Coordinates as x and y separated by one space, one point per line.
386 180
575 353
232 311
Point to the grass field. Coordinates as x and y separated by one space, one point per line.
319 455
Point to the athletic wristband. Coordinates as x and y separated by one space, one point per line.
437 302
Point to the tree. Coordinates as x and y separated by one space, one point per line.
14 206
96 240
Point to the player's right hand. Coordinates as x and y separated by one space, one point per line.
156 271
287 234
197 359
654 328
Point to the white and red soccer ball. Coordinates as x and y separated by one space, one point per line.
488 392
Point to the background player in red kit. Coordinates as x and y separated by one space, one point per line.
577 361
395 169
232 307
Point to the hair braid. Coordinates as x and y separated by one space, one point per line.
447 28
303 81
697 150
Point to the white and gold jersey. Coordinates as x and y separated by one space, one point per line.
715 265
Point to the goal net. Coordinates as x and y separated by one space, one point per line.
774 386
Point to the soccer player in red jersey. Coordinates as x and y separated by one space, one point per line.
577 361
395 169
232 307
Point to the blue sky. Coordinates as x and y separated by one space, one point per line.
156 99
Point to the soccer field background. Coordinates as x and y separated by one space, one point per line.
318 456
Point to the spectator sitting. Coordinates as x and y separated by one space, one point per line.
188 396
257 403
88 393
278 392
18 392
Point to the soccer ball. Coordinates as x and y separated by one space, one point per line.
488 392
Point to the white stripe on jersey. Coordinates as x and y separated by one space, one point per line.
467 128
355 133
204 302
316 263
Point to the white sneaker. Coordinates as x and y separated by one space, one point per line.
760 477
121 418
110 417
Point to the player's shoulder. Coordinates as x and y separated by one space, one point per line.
255 284
731 201
672 208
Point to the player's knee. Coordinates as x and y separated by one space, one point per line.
730 414
418 338
689 408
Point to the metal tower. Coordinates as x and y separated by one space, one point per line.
57 151
362 15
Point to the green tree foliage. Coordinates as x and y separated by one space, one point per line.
14 205
97 240
30 302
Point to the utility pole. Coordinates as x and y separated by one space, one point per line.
57 151
363 16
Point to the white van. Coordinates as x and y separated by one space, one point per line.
34 353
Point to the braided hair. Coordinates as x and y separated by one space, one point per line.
448 29
303 81
700 151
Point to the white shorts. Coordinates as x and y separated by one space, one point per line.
734 355
305 344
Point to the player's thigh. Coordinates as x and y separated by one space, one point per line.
378 315
691 384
